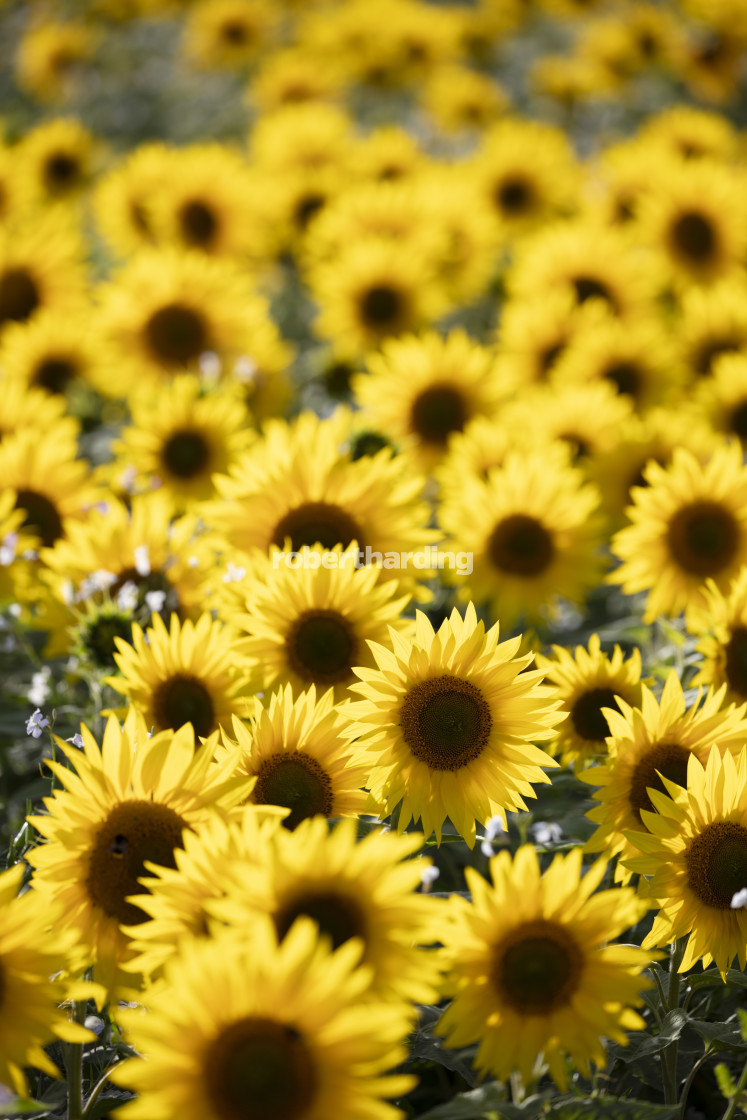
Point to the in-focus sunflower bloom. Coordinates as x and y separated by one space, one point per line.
533 972
695 855
367 889
121 804
300 753
688 524
448 721
646 742
532 531
32 948
423 389
191 673
587 681
312 625
723 639
290 1040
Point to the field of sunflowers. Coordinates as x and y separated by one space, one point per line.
373 559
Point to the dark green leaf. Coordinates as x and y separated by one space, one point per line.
671 1028
712 979
719 1036
607 1108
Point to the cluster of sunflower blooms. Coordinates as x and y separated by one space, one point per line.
261 400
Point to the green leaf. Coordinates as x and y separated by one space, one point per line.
671 1028
609 1108
18 1107
712 979
486 1102
719 1036
724 1080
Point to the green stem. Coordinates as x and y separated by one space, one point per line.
95 1092
741 1086
690 1078
669 1054
75 1070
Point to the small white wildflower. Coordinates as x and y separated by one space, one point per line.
94 1023
142 560
8 549
36 723
739 900
40 689
429 875
245 369
67 592
193 561
155 600
234 573
493 828
127 597
30 554
76 740
547 832
210 365
127 479
15 610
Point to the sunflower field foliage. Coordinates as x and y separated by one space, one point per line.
373 559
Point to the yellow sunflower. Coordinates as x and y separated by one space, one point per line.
458 98
535 334
301 755
312 623
479 449
302 138
367 889
387 153
14 543
117 806
32 949
122 198
52 56
533 532
40 267
587 416
371 292
229 34
181 436
535 972
447 720
58 351
57 161
191 673
722 398
688 524
695 858
291 1038
424 389
23 408
649 744
164 310
722 631
587 681
692 133
713 322
292 75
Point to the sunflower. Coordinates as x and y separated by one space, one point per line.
387 153
292 75
688 524
695 217
23 408
32 948
181 436
164 310
122 198
52 485
52 56
14 545
208 202
57 161
587 681
692 133
310 137
535 334
528 174
458 98
649 744
228 34
58 352
367 889
426 388
446 720
40 267
722 631
178 898
474 452
119 805
722 398
713 322
291 1038
190 673
532 529
312 624
535 972
300 754
371 292
297 485
695 854
586 416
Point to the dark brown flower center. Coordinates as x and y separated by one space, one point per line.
198 224
54 374
338 916
183 699
703 538
711 349
591 287
667 759
587 717
627 377
381 308
19 296
437 412
317 523
736 661
176 334
321 647
717 863
62 173
738 421
235 33
307 208
134 831
445 722
694 237
515 196
537 968
260 1069
366 444
186 454
298 782
42 518
521 546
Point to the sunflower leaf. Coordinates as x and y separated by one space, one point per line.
712 979
719 1036
671 1028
